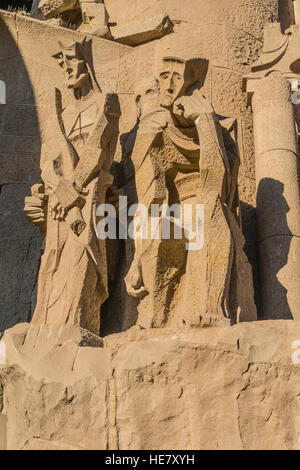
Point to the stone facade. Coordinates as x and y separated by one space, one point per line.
161 103
229 35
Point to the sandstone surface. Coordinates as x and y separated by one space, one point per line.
214 388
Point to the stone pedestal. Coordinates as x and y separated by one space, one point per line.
168 389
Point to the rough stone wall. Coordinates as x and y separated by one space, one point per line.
228 33
216 388
19 168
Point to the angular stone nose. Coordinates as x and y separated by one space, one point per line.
170 87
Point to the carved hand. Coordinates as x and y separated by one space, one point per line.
57 212
191 107
154 121
66 203
134 281
35 205
67 195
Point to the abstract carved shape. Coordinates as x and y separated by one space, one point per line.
140 32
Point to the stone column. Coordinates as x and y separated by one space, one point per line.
278 198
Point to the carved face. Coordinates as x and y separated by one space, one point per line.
76 71
75 68
171 82
147 95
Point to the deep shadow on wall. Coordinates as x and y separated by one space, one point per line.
20 145
16 4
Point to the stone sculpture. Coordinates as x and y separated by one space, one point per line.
88 16
179 157
141 370
75 164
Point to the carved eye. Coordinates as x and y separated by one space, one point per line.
149 92
164 76
178 77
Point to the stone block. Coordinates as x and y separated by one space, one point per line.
13 313
12 262
30 272
21 120
14 168
8 35
140 32
13 222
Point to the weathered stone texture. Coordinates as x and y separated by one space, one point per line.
217 388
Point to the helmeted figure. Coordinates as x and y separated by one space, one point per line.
76 158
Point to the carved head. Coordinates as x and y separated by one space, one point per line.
147 95
178 76
72 60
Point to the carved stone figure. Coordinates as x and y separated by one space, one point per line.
88 16
131 345
75 163
179 157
